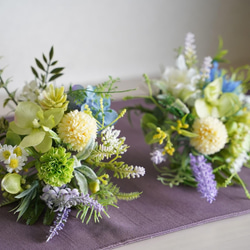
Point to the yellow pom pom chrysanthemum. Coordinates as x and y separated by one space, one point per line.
76 129
212 135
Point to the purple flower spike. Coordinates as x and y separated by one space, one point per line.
203 174
61 219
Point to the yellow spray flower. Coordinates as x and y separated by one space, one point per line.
212 135
77 129
161 135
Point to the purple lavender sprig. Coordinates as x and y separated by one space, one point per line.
58 198
203 174
61 199
59 223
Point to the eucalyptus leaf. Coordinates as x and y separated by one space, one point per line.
88 172
87 151
81 181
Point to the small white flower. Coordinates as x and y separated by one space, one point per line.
206 68
15 163
30 92
20 151
157 157
138 172
111 142
237 164
5 152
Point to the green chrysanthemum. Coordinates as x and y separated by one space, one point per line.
56 167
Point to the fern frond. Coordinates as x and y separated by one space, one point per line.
122 170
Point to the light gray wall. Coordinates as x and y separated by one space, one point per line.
122 38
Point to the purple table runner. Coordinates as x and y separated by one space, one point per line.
160 209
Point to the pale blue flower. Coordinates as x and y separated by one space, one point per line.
92 99
228 84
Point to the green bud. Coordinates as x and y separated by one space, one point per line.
11 183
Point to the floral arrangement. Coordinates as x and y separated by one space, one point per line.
61 150
197 119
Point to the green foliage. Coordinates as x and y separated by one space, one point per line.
109 195
27 204
7 198
105 89
85 213
120 169
11 95
178 172
48 72
219 56
4 125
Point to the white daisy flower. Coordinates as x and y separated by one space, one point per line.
14 164
5 152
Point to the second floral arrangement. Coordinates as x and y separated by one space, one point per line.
198 122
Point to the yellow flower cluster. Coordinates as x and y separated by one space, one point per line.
76 129
161 135
179 126
212 135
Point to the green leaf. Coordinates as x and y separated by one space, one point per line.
149 137
51 53
48 217
34 185
44 58
53 63
34 211
54 77
148 119
187 133
87 151
81 181
57 70
12 138
6 101
39 64
34 72
88 172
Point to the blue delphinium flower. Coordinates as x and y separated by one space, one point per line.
228 84
203 174
92 99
